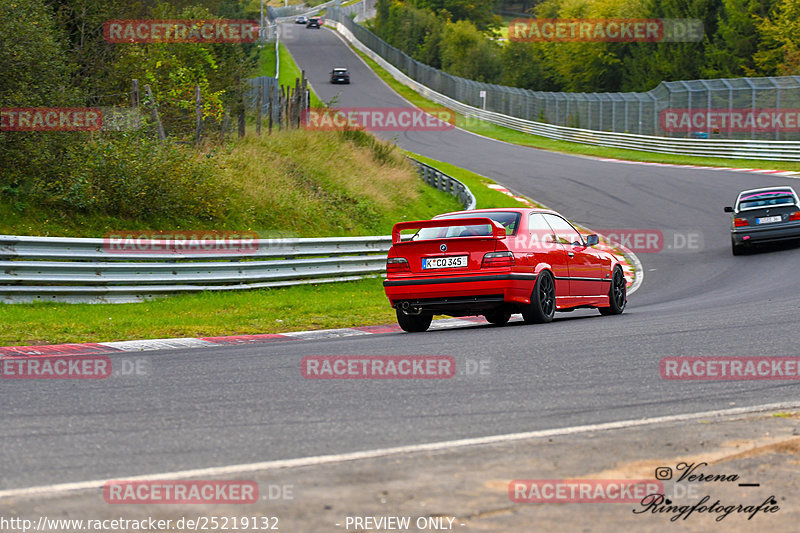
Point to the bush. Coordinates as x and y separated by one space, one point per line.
132 176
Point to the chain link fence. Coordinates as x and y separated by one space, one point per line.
738 108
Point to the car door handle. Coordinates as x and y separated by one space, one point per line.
571 254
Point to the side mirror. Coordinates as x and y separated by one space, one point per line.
728 209
591 240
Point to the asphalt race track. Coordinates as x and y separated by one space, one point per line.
242 404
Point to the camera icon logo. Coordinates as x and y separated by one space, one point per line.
663 473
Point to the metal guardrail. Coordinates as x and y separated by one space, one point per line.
360 10
91 270
727 148
302 9
443 182
88 271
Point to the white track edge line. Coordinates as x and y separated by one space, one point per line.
385 452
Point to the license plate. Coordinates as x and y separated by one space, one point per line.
767 220
453 261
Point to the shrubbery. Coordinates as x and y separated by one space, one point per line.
53 54
742 38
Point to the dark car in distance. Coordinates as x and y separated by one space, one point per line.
764 215
340 75
301 20
313 22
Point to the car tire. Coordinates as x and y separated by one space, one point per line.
543 300
499 317
737 249
413 323
617 294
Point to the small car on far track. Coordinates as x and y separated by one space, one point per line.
301 20
765 215
340 75
495 262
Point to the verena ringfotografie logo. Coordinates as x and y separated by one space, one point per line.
50 119
730 368
606 30
180 242
56 367
180 492
582 490
181 31
379 119
378 367
733 120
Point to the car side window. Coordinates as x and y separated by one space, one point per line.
541 232
564 231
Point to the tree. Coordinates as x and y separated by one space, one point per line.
466 52
780 54
35 74
479 12
731 50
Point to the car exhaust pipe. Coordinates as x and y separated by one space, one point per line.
408 310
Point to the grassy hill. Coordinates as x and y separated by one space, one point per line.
296 182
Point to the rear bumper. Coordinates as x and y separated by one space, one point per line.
463 294
766 234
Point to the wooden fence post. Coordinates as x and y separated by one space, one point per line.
154 112
259 103
198 115
271 106
135 97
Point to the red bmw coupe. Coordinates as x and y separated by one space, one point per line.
495 262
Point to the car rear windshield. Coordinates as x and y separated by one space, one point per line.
766 199
507 219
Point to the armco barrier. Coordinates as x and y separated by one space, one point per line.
80 270
445 183
726 148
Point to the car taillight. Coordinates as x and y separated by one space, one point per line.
740 222
795 216
397 264
497 259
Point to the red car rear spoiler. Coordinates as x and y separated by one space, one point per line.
498 231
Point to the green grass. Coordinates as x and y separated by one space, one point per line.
516 137
484 196
266 61
319 306
289 72
237 312
200 315
231 313
361 185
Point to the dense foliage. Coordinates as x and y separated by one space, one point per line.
53 54
741 38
